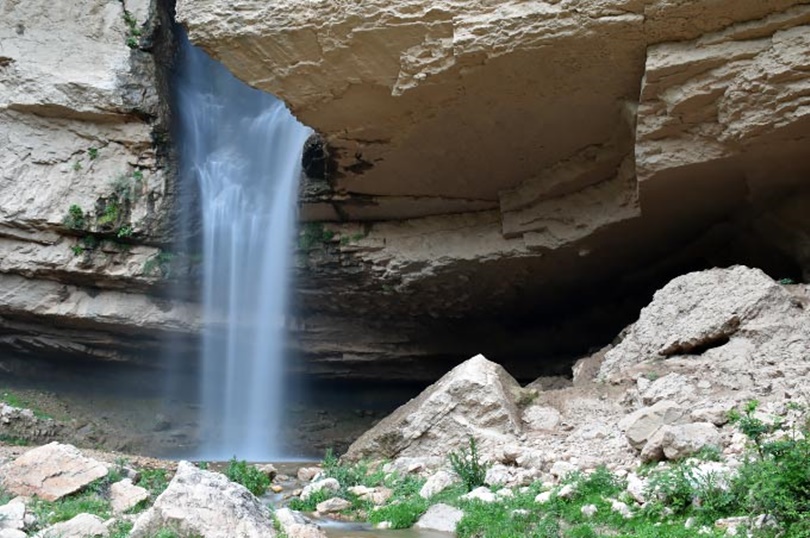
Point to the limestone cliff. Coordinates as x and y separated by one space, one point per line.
493 159
486 168
84 186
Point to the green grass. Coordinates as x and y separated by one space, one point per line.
247 475
87 502
13 440
155 480
15 400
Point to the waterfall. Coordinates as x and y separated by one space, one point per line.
243 148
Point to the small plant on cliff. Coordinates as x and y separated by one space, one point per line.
110 214
161 261
313 234
467 464
92 153
249 476
134 31
124 232
75 219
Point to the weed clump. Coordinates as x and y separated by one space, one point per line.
249 476
467 464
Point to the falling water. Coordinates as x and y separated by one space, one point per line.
244 149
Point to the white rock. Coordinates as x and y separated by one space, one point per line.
50 472
636 488
621 508
589 510
377 495
566 492
12 533
673 386
186 505
541 418
561 469
640 425
543 497
440 517
124 495
306 474
477 398
684 440
335 504
329 484
81 526
12 515
483 494
436 483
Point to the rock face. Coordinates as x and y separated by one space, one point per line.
488 158
84 185
477 398
50 472
186 504
477 162
730 319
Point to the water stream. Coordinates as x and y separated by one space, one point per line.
243 147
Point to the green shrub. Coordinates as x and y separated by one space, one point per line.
92 153
467 464
110 214
313 234
249 476
401 513
124 231
310 503
75 218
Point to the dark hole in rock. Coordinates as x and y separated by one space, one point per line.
316 159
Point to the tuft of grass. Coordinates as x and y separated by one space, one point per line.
15 400
87 502
13 440
121 529
247 475
310 503
155 480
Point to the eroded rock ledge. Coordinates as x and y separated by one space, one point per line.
488 156
492 168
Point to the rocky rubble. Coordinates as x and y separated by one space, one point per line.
659 395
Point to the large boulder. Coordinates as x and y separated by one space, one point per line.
50 472
475 399
80 526
735 321
187 507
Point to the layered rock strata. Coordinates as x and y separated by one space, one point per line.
85 192
481 167
489 158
